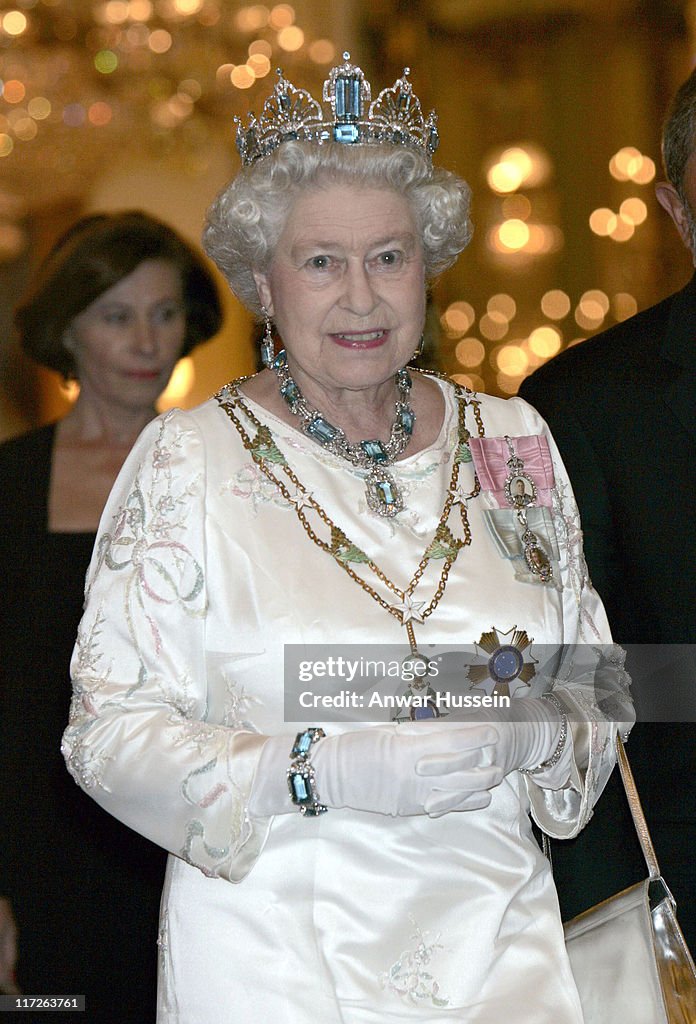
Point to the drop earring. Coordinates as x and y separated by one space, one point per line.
419 349
267 346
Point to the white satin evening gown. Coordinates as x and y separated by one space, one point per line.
201 575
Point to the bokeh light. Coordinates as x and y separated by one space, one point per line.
13 91
633 210
592 309
493 326
624 306
545 341
106 62
100 114
629 164
191 87
457 319
160 40
599 298
115 12
322 51
180 384
511 170
291 38
187 7
645 173
25 128
39 108
260 46
603 221
623 231
259 65
504 177
470 380
224 73
470 352
555 304
14 23
518 166
625 162
512 360
242 77
282 16
139 10
503 305
251 19
513 234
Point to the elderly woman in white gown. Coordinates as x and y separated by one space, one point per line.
380 867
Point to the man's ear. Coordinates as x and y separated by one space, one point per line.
670 200
264 290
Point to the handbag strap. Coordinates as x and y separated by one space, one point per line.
636 809
641 825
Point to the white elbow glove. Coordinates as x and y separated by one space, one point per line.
387 770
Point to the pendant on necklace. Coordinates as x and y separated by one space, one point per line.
382 492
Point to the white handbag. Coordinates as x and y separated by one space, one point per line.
628 955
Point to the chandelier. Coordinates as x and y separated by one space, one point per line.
84 81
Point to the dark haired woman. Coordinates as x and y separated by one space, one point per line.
117 302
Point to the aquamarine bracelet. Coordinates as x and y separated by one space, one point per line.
300 774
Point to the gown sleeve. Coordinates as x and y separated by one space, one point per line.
138 740
588 678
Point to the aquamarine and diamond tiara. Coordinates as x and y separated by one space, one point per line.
395 117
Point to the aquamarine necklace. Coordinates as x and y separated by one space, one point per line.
382 493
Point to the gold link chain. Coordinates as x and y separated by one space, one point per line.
231 400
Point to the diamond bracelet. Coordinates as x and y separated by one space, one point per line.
300 774
562 737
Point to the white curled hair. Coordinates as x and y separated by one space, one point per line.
247 218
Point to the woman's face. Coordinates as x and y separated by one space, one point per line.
346 286
126 343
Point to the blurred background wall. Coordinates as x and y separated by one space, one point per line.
551 109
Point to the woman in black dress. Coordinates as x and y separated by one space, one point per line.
117 302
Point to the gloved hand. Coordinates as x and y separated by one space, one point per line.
528 733
387 770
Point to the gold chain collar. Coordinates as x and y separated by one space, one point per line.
444 545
